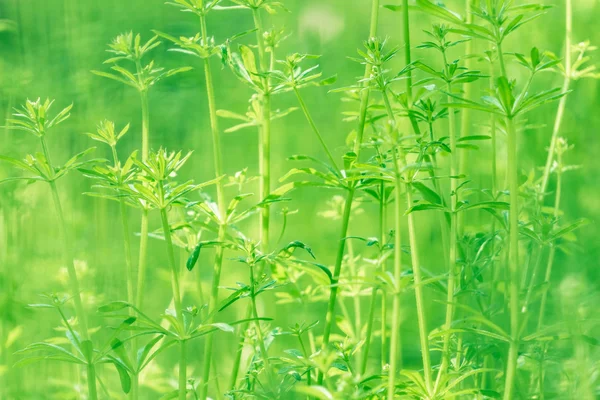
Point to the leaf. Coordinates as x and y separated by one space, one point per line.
193 258
114 306
425 207
568 229
497 205
428 194
290 247
123 376
319 392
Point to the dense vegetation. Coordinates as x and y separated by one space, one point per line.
422 245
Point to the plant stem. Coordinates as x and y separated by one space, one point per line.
176 299
563 100
144 220
73 279
182 370
67 250
415 263
395 335
142 261
259 334
312 124
133 394
552 253
218 166
306 357
265 132
453 251
511 368
91 380
336 272
364 101
421 310
126 240
369 333
172 264
382 237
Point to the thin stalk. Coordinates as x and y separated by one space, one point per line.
416 267
364 101
265 132
218 166
511 367
312 124
453 250
259 334
142 265
133 394
421 310
67 250
563 100
182 370
336 272
73 279
126 240
172 264
369 333
91 380
306 357
395 335
264 156
142 260
176 300
382 236
552 253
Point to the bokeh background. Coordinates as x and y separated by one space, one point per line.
47 49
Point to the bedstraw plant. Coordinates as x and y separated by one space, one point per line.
449 272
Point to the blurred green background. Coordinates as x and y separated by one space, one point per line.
47 49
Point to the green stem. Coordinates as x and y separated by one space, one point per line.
144 220
91 378
552 252
369 333
126 239
416 267
265 131
453 251
259 334
214 298
73 279
511 367
407 49
182 370
172 264
218 166
382 237
133 394
336 273
176 299
563 101
364 101
306 357
142 260
67 250
312 124
421 310
395 335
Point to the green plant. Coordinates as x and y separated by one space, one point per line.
475 287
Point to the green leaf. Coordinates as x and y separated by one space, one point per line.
428 194
290 247
425 207
113 306
319 392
